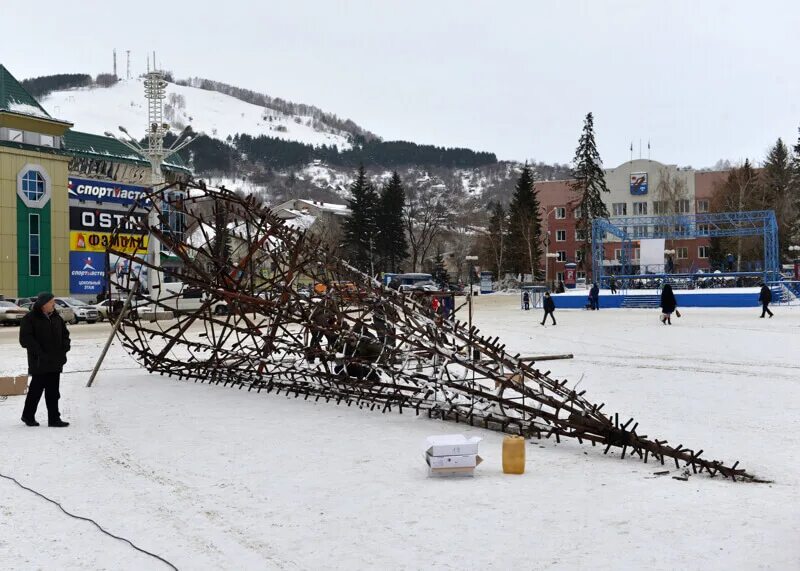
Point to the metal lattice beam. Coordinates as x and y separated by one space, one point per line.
686 226
352 342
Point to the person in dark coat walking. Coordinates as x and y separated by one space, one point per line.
594 295
526 301
44 334
668 304
612 283
549 308
765 297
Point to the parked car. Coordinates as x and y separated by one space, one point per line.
114 306
11 313
66 313
82 310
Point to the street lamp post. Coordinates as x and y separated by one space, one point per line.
469 298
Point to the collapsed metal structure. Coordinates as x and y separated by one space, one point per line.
274 311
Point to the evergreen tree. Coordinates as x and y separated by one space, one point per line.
589 182
392 243
794 199
524 227
361 227
776 187
440 275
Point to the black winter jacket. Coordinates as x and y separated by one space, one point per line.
668 302
549 304
47 342
766 295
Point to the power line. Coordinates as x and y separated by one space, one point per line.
129 542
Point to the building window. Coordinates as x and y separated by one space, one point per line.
561 235
34 267
580 275
618 255
562 256
46 140
637 252
682 206
561 213
639 231
620 208
173 215
33 186
578 255
580 235
702 206
577 212
15 135
703 230
682 253
560 276
702 252
640 208
660 207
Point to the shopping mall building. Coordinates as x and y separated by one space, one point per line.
640 187
62 194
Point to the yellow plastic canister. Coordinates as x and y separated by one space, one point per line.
514 455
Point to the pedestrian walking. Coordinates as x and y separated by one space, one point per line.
594 295
44 334
765 297
549 308
668 304
526 301
612 283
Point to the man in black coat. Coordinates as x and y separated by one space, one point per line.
765 297
594 294
44 334
549 308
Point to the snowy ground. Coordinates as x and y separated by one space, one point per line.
215 478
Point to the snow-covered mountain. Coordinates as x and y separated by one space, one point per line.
100 109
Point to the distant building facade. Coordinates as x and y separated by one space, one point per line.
640 187
62 194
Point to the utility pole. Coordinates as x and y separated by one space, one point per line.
128 74
115 63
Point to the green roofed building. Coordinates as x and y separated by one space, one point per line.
41 158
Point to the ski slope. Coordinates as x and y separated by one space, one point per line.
97 110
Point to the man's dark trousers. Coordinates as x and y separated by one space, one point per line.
765 310
49 384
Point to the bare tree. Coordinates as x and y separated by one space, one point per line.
425 216
737 194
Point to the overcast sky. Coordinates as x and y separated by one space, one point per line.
701 80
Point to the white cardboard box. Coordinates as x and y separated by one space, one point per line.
452 445
448 472
464 461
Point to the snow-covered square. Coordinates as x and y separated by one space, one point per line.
213 478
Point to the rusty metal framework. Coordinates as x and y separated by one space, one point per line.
264 306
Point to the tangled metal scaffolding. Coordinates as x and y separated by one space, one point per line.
274 311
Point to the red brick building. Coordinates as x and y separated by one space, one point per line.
637 188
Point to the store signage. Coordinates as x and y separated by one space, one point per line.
638 183
97 220
105 191
86 272
102 241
